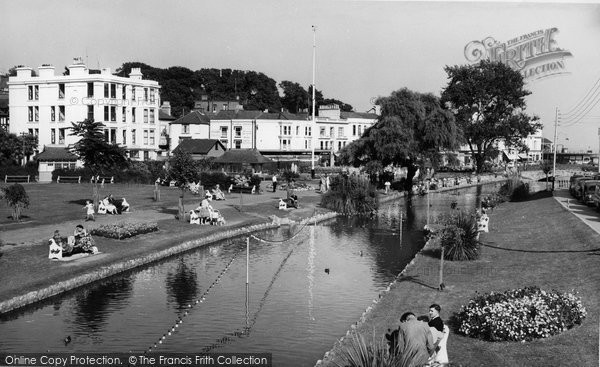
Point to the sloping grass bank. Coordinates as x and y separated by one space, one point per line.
537 243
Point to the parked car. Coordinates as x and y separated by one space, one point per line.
588 191
574 185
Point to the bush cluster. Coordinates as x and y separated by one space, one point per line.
520 314
30 169
124 230
350 194
514 189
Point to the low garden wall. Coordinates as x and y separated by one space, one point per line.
120 267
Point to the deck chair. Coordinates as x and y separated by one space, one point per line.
482 223
282 205
55 250
194 218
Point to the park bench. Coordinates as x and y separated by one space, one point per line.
243 189
107 179
68 179
8 178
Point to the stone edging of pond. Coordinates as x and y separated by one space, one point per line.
365 315
108 271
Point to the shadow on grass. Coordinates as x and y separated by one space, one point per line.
535 196
408 278
81 202
168 211
432 252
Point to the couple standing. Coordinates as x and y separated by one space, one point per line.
419 343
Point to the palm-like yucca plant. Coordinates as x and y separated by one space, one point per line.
361 352
459 237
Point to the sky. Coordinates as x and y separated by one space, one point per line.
364 49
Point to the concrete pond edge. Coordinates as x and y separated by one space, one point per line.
123 266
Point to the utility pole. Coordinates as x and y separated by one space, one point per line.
314 125
554 164
598 150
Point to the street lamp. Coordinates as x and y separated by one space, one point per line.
314 125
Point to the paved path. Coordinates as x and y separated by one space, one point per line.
586 214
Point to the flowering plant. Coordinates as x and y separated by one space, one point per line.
124 230
520 314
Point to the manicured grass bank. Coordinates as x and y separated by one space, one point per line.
540 224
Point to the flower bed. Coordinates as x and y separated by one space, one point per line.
520 314
124 230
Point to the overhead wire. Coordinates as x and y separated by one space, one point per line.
582 113
582 108
596 85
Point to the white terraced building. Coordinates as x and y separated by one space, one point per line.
45 105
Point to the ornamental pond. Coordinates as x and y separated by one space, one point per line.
303 293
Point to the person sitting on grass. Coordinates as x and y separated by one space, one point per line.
82 241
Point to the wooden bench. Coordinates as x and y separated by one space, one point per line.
8 178
68 179
107 179
244 189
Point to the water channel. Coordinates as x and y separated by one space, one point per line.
303 293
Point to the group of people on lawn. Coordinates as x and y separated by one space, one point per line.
80 242
420 341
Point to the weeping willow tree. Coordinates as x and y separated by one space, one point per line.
413 129
350 194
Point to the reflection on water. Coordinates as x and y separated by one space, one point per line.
292 306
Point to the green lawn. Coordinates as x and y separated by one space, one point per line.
55 203
541 224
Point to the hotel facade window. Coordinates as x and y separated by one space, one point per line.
90 111
237 132
52 136
90 90
152 119
113 113
52 114
61 113
113 90
30 113
106 87
36 92
124 114
185 128
152 137
133 115
145 115
61 136
61 91
105 113
224 131
133 136
37 113
238 144
30 92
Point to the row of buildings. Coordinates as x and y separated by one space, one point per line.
130 107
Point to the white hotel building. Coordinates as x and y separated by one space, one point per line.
45 105
289 136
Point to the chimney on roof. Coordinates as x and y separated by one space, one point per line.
46 71
136 73
23 72
166 107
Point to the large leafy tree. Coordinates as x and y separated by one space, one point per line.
413 128
14 148
96 153
488 102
